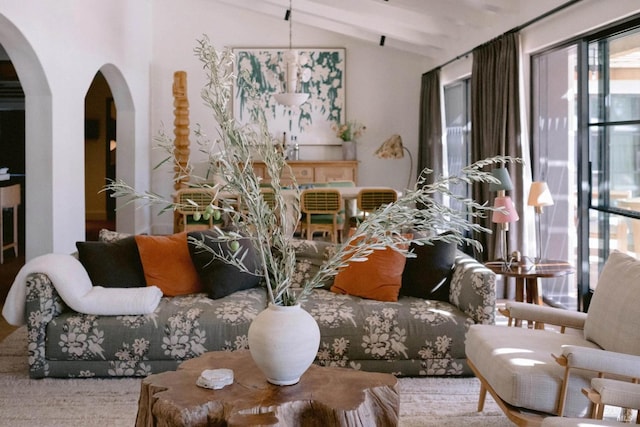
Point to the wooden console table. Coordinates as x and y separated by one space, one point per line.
307 172
323 397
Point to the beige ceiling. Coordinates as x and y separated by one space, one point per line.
439 30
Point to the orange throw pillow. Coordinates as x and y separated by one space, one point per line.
378 278
167 264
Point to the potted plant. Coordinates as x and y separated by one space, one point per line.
265 224
348 133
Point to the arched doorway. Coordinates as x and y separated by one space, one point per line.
38 192
100 156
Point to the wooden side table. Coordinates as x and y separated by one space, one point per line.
527 283
323 397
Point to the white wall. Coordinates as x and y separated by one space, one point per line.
382 85
57 48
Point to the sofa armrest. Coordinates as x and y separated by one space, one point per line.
548 315
42 305
473 289
598 360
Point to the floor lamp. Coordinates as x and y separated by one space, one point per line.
393 148
539 197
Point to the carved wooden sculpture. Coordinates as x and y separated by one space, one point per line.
181 132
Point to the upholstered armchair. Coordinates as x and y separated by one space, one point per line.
533 372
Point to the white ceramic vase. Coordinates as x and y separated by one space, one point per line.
349 150
284 341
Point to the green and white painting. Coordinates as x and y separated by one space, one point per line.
323 70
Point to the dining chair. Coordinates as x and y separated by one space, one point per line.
321 213
369 200
9 199
191 206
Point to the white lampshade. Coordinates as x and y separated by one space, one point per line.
539 194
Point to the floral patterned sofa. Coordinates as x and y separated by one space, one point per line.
410 337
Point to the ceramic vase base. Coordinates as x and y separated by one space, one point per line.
283 382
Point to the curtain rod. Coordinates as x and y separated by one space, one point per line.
515 29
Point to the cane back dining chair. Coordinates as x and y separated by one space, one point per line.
321 212
369 200
191 206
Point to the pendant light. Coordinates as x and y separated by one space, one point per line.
291 98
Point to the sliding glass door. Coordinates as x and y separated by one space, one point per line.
586 135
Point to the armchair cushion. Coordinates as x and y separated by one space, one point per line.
613 322
518 364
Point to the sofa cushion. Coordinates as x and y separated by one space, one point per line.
167 264
111 236
378 278
218 277
428 274
310 256
112 265
613 322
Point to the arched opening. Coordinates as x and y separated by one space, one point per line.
100 151
37 150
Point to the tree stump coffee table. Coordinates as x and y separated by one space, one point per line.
323 397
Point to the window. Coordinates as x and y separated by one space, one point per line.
458 127
586 135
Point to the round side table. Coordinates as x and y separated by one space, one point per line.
527 283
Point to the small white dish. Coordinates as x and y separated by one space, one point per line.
215 378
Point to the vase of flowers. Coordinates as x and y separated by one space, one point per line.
265 224
349 132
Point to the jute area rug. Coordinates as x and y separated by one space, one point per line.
114 402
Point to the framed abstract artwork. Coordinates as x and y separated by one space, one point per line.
324 81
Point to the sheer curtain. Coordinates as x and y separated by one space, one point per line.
430 153
496 129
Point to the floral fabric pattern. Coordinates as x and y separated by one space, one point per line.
410 337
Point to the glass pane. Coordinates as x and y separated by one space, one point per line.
554 108
456 103
624 77
609 231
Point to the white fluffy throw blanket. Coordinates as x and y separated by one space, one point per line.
74 287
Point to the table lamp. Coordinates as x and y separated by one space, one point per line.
504 214
539 197
393 148
502 175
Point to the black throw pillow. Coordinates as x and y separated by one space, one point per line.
219 278
428 274
112 264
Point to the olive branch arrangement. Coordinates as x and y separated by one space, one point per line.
267 225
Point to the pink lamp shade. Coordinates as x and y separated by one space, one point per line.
507 213
539 194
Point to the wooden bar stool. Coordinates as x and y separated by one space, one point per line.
9 199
